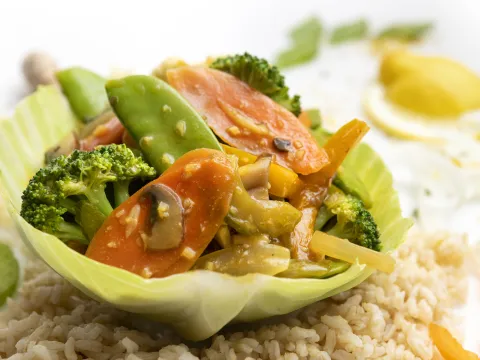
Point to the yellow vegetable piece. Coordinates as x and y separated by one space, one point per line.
433 86
283 182
448 346
342 249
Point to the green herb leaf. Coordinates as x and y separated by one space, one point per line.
9 273
405 32
357 30
305 44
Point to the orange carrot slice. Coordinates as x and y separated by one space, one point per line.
109 133
204 180
246 119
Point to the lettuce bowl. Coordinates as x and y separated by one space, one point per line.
196 303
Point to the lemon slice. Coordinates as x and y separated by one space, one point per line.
9 273
403 124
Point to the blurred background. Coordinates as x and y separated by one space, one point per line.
135 36
139 34
112 37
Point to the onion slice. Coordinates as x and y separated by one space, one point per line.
342 249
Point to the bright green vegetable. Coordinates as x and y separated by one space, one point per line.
352 219
57 192
85 91
240 260
89 218
350 184
321 135
301 269
260 75
9 273
160 120
406 32
305 44
357 30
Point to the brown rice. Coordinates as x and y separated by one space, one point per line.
386 317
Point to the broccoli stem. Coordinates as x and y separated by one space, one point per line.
70 205
98 198
120 192
322 218
339 231
67 231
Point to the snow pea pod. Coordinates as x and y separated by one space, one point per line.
85 91
159 119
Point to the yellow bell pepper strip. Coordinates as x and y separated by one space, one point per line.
314 189
337 148
345 250
283 182
448 346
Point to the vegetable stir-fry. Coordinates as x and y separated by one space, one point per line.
209 167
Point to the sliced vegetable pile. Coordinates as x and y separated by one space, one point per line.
209 167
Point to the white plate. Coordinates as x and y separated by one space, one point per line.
136 35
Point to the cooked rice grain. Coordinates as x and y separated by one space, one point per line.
386 317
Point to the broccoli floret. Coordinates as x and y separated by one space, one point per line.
60 190
260 75
345 216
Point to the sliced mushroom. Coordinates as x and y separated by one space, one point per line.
255 177
282 144
166 218
65 147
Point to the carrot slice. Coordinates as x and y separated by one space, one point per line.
448 346
246 119
109 133
204 180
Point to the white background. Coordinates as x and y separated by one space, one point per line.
137 35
